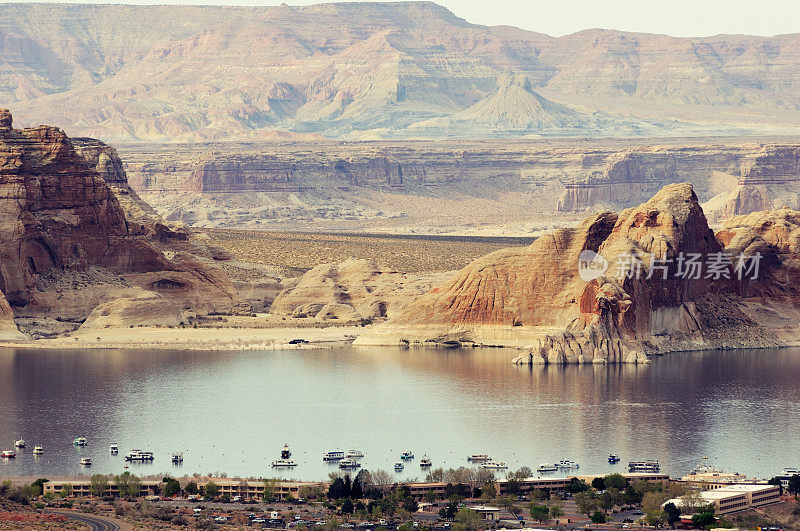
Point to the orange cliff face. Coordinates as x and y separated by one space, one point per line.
535 298
62 225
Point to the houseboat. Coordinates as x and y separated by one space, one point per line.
354 454
546 467
177 458
79 441
491 465
20 443
399 466
8 454
425 462
286 453
566 463
113 448
349 463
478 458
139 455
335 455
613 459
38 450
283 463
86 461
407 455
649 465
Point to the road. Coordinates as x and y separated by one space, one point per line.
95 523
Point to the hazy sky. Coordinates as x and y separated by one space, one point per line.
560 17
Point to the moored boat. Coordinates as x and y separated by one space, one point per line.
349 463
491 465
567 463
283 463
399 466
425 462
139 455
20 443
79 441
8 454
177 458
38 450
335 455
648 465
613 459
546 467
407 455
354 454
478 458
286 453
113 448
86 461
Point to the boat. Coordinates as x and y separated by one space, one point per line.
286 453
86 461
425 462
478 458
79 441
336 455
705 469
613 459
114 448
8 454
139 455
791 471
407 455
566 463
546 467
348 463
20 443
399 466
283 463
354 454
177 457
491 465
649 465
38 450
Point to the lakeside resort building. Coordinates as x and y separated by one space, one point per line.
736 497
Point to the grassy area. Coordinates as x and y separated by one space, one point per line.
299 252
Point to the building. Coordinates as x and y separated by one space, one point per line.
734 498
555 484
419 490
650 477
487 513
83 488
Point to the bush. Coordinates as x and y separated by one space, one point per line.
598 517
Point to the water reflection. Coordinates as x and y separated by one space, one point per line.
232 411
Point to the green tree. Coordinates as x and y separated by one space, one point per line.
616 481
703 519
556 511
672 512
171 487
337 489
347 506
211 490
599 483
470 519
98 484
778 483
598 517
540 513
540 494
586 502
794 485
269 490
129 485
191 488
576 485
66 490
38 486
449 511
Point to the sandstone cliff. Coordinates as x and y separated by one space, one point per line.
639 302
67 244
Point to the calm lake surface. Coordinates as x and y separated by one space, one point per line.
231 412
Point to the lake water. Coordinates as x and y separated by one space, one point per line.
232 412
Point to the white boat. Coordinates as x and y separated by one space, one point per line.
177 457
705 469
139 455
286 453
399 466
791 471
283 463
425 462
613 459
348 463
354 454
20 443
546 467
566 463
407 455
86 461
649 465
491 465
38 450
479 458
114 448
79 441
335 455
8 454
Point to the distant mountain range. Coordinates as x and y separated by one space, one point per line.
377 70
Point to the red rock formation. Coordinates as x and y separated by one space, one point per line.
57 214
